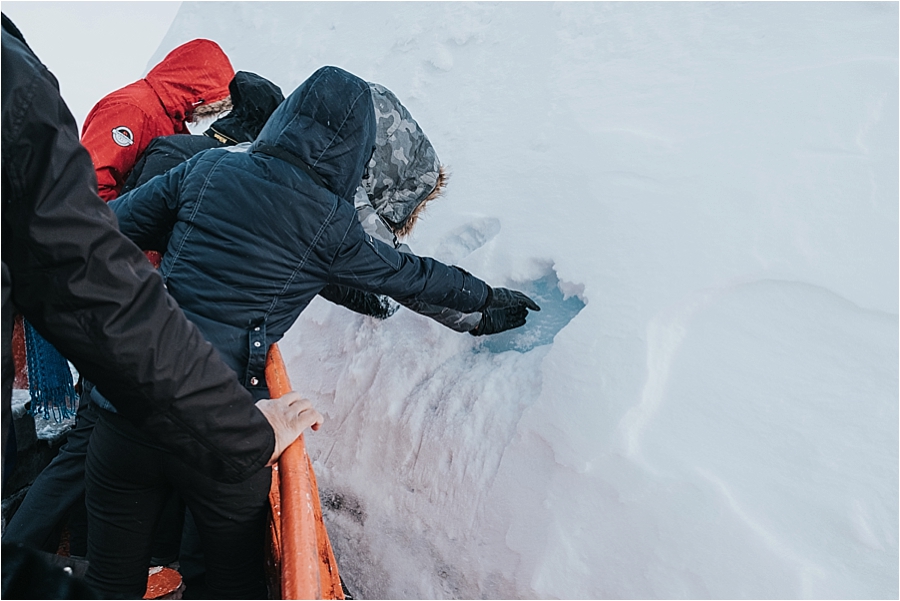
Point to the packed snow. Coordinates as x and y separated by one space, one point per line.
703 197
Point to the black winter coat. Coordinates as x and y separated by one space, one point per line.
256 236
166 152
162 154
92 293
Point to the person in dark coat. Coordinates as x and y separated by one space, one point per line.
255 99
58 491
90 292
254 237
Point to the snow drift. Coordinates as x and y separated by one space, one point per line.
704 199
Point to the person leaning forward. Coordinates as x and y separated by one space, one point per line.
282 227
58 491
95 297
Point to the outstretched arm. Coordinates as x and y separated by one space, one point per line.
368 264
477 323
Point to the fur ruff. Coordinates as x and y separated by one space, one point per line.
403 230
213 109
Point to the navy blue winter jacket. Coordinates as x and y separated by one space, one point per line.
255 237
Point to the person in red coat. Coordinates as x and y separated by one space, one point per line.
190 83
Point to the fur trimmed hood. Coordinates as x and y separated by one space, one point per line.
193 74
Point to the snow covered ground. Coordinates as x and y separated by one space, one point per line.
704 199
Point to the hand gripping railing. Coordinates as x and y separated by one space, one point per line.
301 562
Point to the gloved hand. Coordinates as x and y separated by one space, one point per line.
373 305
366 303
504 309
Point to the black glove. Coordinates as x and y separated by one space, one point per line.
366 303
504 310
373 305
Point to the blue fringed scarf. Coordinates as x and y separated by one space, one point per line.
49 378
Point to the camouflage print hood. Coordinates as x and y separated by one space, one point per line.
404 168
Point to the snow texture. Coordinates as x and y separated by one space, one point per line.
704 197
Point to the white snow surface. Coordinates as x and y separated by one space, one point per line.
705 198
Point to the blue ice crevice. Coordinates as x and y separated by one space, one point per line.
557 310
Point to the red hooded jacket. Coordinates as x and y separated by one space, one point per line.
120 126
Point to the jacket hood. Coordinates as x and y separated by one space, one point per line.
329 124
194 73
404 168
254 99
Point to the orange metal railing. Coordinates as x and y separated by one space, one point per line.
302 564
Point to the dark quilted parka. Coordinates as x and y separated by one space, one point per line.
257 234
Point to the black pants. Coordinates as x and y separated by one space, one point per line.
57 497
57 491
128 480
